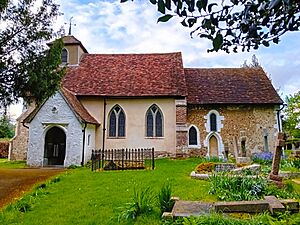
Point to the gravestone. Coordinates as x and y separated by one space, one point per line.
276 159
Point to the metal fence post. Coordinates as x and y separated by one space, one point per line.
92 160
153 159
122 158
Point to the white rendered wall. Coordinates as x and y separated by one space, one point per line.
55 112
89 141
135 131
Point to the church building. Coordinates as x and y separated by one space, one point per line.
110 101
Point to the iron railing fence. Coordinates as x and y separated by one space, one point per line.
122 159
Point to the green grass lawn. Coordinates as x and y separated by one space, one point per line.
4 163
90 198
85 197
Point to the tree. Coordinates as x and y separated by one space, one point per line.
291 123
229 24
254 63
28 68
6 127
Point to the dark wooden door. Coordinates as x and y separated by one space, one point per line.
55 146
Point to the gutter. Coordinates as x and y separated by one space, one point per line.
83 147
278 117
104 122
23 123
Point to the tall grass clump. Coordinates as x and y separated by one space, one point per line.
238 187
142 203
164 198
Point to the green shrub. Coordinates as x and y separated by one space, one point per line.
238 187
142 203
286 192
164 198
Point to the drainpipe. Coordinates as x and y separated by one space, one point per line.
278 117
104 122
83 147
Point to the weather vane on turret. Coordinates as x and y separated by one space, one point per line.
70 26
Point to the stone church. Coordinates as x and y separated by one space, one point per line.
147 100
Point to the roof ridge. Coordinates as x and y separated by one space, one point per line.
146 53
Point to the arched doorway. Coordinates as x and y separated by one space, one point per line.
55 146
213 146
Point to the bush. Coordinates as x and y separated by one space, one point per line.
286 192
205 167
164 198
237 188
264 158
4 148
294 160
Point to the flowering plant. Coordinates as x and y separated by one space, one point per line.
263 157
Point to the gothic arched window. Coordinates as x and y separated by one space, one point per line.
193 136
213 122
154 122
64 56
116 122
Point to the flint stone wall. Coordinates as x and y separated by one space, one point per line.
242 121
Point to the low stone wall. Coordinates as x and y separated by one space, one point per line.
4 148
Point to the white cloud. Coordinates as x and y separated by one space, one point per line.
111 27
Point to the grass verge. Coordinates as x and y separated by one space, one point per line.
5 164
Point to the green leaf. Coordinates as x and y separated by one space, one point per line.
265 43
161 6
122 1
218 41
191 21
276 40
204 4
184 23
210 7
168 4
153 2
164 18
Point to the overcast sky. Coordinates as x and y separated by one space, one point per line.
107 26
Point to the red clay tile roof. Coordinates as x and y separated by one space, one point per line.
78 107
127 75
81 113
230 86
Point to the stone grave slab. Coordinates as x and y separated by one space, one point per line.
242 206
191 208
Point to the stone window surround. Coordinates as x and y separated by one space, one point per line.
198 145
219 120
154 123
117 120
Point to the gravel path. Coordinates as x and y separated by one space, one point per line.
14 183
